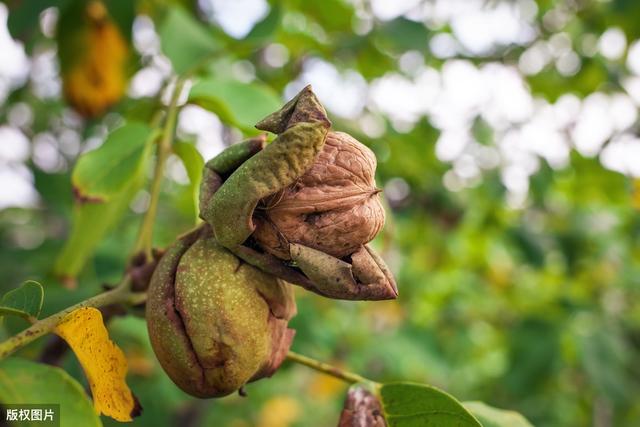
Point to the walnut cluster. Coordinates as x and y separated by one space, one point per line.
334 207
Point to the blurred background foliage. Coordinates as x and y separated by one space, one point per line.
506 140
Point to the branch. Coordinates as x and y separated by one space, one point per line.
346 376
120 294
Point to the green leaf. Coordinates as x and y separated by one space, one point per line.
493 417
23 16
91 221
123 13
110 175
238 104
332 15
193 163
403 34
185 41
26 382
418 405
105 172
24 301
71 35
264 30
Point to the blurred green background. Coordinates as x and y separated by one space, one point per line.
506 137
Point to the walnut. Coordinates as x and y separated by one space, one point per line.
334 207
216 323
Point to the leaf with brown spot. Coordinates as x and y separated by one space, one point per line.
103 363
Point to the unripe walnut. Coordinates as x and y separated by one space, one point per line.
215 322
334 207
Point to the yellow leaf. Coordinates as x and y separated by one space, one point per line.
98 77
103 362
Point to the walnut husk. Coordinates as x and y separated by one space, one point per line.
334 207
361 409
216 323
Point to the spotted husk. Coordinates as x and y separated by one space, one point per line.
215 322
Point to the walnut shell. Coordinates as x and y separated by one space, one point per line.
334 207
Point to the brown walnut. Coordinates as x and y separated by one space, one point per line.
334 207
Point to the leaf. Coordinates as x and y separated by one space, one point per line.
94 58
185 41
26 382
332 15
23 16
493 417
106 171
236 103
263 31
103 362
90 224
97 179
193 163
55 190
123 14
403 34
409 405
25 301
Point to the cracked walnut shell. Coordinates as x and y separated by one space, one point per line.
334 207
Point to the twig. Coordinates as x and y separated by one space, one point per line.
144 242
347 376
120 294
